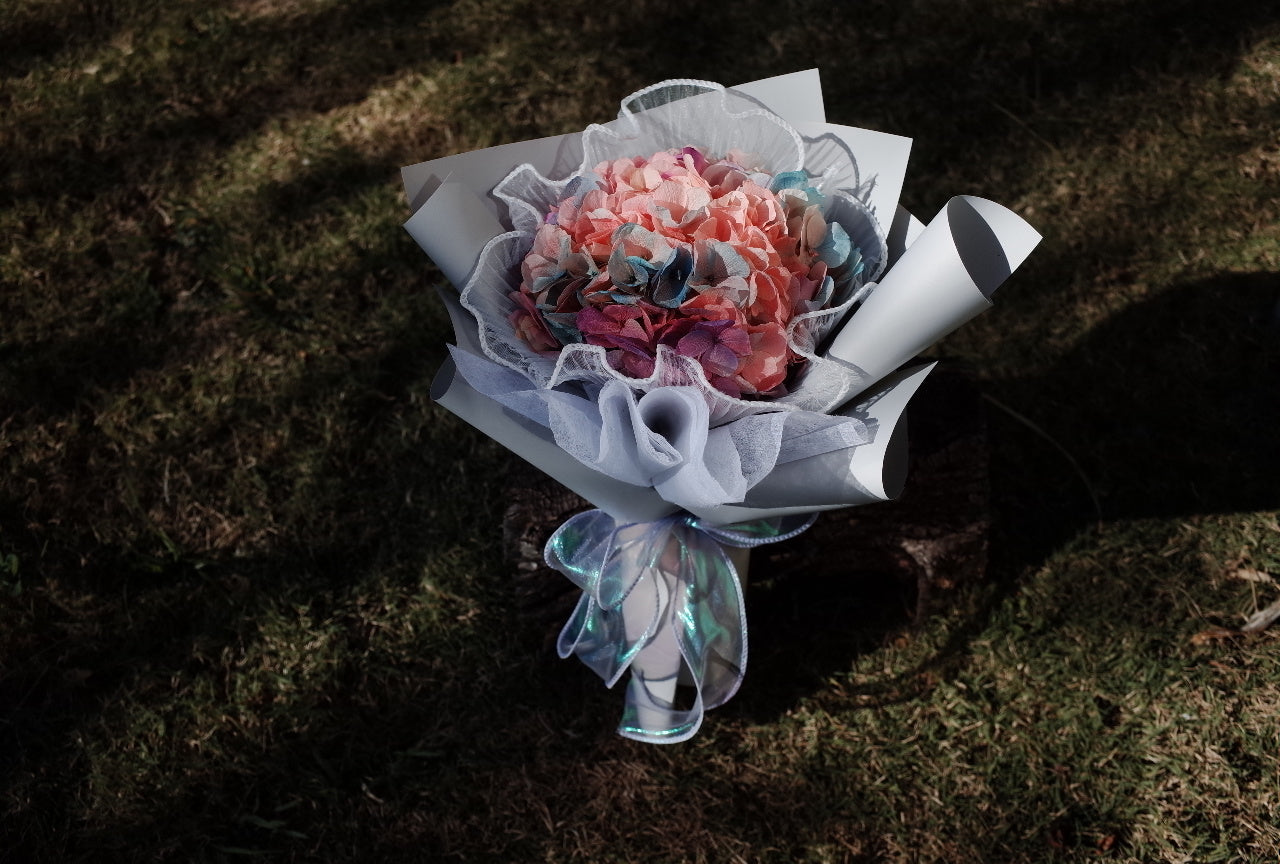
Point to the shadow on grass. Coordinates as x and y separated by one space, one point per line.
37 32
163 648
1172 407
226 77
52 376
1169 407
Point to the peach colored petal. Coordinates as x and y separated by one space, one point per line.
715 305
766 367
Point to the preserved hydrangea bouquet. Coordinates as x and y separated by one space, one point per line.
696 327
711 259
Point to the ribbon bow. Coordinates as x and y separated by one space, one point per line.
658 598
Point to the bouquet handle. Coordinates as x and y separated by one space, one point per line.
661 599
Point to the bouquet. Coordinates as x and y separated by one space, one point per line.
696 317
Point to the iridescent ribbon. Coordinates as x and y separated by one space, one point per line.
682 595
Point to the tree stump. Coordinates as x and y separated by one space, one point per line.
930 540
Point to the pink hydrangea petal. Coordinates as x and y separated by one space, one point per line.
720 360
736 340
696 343
766 367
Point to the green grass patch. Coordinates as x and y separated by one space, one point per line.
252 601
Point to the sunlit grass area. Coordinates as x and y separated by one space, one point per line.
253 601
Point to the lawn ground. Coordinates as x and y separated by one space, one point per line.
238 618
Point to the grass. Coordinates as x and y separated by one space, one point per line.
252 601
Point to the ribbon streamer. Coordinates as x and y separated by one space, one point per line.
684 610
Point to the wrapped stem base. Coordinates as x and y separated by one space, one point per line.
660 598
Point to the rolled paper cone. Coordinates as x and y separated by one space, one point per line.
847 477
466 333
943 279
903 231
452 226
